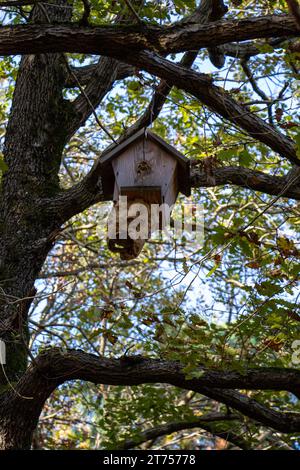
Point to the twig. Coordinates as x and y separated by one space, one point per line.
257 90
86 13
131 8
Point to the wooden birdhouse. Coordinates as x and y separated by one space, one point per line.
147 170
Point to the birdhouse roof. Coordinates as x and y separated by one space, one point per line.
118 149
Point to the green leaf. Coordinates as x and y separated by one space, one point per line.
213 269
267 288
245 158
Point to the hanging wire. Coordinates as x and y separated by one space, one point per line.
144 141
149 125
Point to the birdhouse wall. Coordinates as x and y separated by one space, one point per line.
146 166
171 191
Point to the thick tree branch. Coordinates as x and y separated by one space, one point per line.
245 50
117 40
206 422
283 422
55 366
18 3
245 178
86 13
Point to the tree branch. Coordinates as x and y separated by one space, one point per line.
117 40
18 3
245 178
84 21
206 422
249 49
56 366
85 73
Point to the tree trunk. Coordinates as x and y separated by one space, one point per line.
35 139
16 429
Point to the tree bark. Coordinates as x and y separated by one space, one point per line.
119 40
20 408
34 142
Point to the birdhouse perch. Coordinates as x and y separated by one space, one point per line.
147 170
